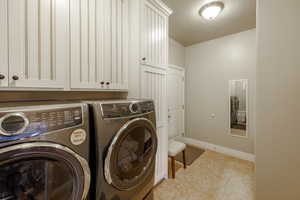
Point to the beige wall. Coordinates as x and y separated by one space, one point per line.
278 98
209 67
176 53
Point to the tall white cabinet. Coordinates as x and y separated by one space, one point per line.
154 64
154 86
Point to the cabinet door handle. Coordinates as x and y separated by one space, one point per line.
107 83
144 59
2 77
102 82
15 78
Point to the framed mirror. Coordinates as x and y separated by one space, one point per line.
238 104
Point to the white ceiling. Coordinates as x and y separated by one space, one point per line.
187 27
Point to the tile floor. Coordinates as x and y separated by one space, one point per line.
212 176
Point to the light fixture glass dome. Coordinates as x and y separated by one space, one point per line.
211 10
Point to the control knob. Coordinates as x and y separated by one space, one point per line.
134 108
13 124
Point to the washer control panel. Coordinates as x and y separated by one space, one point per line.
119 110
36 122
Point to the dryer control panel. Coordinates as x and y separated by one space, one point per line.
36 121
128 109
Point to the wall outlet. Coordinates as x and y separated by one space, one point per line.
213 116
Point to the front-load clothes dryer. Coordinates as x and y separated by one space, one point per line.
125 145
44 151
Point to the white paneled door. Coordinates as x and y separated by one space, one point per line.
175 101
38 42
99 44
154 83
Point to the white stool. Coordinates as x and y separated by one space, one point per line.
174 149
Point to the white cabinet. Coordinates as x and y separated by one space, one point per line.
37 34
154 86
116 43
64 44
161 171
99 44
4 44
155 33
84 43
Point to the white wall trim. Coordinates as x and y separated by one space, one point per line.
220 149
161 67
176 67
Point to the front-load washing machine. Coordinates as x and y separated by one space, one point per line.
125 145
44 151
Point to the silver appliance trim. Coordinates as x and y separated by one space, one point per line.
107 173
39 107
130 102
17 114
116 101
83 162
127 117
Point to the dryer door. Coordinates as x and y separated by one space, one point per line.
131 155
42 171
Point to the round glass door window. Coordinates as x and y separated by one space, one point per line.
40 174
131 154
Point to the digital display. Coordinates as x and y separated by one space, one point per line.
54 119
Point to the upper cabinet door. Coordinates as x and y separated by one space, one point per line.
99 42
154 35
86 43
38 43
4 44
115 71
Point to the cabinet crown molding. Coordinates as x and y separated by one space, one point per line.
162 6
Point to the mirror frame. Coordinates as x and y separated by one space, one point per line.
247 108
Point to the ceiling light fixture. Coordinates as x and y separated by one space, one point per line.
211 10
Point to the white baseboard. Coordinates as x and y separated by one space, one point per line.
220 149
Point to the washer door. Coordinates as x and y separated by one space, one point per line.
42 171
131 154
